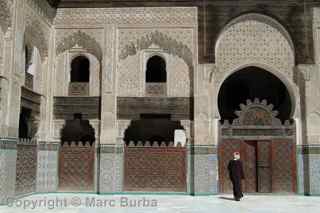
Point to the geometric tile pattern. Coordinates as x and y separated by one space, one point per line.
308 169
205 169
7 174
26 168
301 170
47 171
111 168
314 172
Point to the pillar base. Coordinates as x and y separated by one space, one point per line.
8 156
204 170
47 173
110 169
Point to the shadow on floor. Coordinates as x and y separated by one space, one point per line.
227 198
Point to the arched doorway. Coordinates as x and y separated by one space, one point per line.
77 156
255 108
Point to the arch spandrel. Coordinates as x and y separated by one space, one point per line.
254 39
34 36
81 39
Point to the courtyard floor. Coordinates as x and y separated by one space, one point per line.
82 203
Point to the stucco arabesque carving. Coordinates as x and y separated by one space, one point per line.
35 36
154 16
165 42
307 70
5 15
261 110
81 39
43 9
254 42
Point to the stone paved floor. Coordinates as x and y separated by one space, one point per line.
82 203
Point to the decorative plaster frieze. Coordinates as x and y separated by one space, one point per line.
251 41
154 16
175 42
35 35
68 38
43 9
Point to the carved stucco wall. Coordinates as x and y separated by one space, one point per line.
313 123
249 40
102 26
1 51
63 68
89 39
254 39
21 22
156 16
131 74
5 14
2 82
37 28
43 9
205 128
73 42
311 75
34 28
6 23
176 45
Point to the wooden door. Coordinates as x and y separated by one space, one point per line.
264 172
248 157
225 154
283 166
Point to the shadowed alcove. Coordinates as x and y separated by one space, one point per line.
156 70
80 69
251 83
152 128
77 130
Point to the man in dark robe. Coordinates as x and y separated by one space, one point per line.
236 175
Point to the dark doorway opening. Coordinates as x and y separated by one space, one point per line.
156 70
25 123
251 83
152 127
80 69
77 130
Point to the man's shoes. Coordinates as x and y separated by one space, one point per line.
237 199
